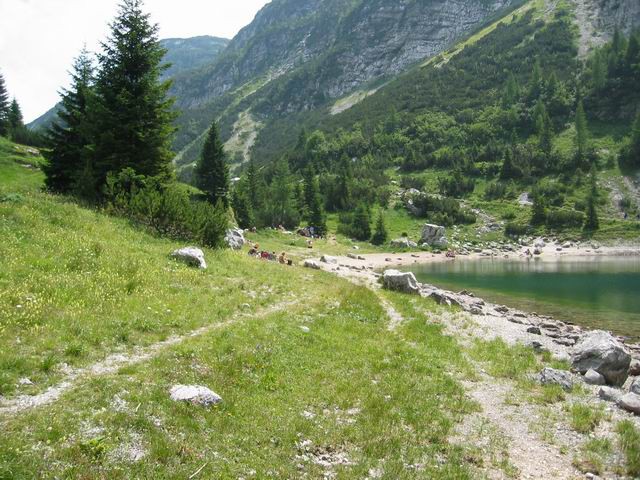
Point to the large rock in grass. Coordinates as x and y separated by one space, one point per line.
235 239
403 243
192 256
194 394
328 259
434 235
551 376
404 282
601 352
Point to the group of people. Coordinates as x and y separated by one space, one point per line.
255 251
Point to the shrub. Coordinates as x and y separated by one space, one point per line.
514 229
563 219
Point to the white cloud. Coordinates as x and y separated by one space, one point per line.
40 38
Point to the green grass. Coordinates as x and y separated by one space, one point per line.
504 361
629 439
77 285
585 418
594 456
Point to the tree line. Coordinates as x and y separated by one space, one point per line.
11 120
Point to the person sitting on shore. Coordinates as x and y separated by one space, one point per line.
283 258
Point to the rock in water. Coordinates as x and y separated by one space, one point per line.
601 352
551 376
434 235
631 403
192 256
594 378
194 394
400 281
235 239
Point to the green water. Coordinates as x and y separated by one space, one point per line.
600 292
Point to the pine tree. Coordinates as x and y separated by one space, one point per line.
599 70
632 55
16 120
361 225
511 92
133 114
544 129
314 213
509 170
69 140
592 223
254 190
630 156
242 208
582 132
212 170
380 234
281 208
538 211
4 107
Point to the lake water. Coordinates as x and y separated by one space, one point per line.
597 292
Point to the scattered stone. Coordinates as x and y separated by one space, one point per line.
192 256
561 357
635 386
400 281
609 394
25 381
305 329
598 350
519 321
537 347
235 239
551 376
502 309
329 260
195 394
631 403
534 330
634 368
311 264
594 378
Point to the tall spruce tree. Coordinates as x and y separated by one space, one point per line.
254 190
380 234
630 155
313 203
212 170
69 139
133 112
4 107
16 120
281 208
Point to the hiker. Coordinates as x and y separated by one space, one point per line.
283 258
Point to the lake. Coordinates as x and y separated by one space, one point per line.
596 292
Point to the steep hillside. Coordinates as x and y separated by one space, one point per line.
300 56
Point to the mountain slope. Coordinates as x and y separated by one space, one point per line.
301 56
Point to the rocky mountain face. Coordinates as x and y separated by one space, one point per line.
186 54
303 55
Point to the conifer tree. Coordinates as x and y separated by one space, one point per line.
212 170
69 139
254 190
133 114
380 234
591 222
281 209
582 132
4 107
538 211
630 156
242 208
314 213
361 225
16 120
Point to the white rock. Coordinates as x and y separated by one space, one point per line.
551 376
400 281
311 264
305 329
195 394
610 394
403 243
434 235
601 352
191 256
329 259
631 403
594 378
235 239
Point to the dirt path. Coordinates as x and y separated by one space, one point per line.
115 362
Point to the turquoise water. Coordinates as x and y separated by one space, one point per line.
599 292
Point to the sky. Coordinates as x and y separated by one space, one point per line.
40 38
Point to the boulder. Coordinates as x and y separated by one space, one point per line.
235 239
434 235
403 243
594 378
329 260
610 394
635 386
311 264
192 256
534 330
631 403
551 376
634 368
400 281
195 394
601 352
